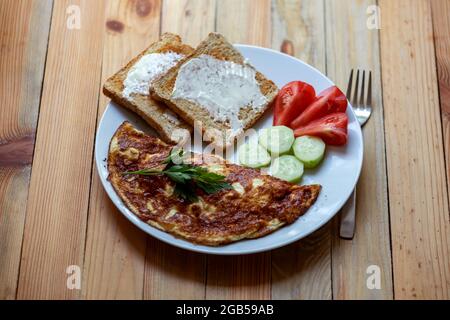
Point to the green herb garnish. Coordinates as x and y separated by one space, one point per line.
186 177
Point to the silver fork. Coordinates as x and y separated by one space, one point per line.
363 110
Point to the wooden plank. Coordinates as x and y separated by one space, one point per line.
25 27
57 206
350 44
172 273
302 270
242 277
298 27
418 200
115 249
239 277
441 26
247 21
192 19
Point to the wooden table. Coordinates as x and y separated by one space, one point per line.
55 214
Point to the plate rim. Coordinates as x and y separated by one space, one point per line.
146 228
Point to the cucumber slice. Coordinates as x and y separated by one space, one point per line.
253 155
287 168
309 150
277 140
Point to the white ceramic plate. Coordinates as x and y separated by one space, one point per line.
337 174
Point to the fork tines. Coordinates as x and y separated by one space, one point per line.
361 99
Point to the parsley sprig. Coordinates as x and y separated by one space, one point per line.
187 177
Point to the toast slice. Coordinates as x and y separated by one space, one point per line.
221 130
133 94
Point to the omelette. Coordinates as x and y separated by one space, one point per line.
255 204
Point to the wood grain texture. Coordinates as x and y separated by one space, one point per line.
298 29
115 249
25 27
242 277
418 200
193 19
350 44
302 270
441 26
239 277
59 190
245 21
172 273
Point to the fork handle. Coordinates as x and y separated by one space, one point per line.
347 228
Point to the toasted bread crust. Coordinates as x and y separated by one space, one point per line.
217 46
149 109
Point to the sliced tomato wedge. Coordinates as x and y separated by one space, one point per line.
332 129
317 109
331 100
292 99
336 98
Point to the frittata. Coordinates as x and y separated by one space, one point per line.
256 205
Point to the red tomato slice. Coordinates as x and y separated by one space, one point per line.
331 100
316 110
337 99
292 99
332 129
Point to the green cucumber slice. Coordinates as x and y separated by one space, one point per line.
253 155
309 150
277 140
287 168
